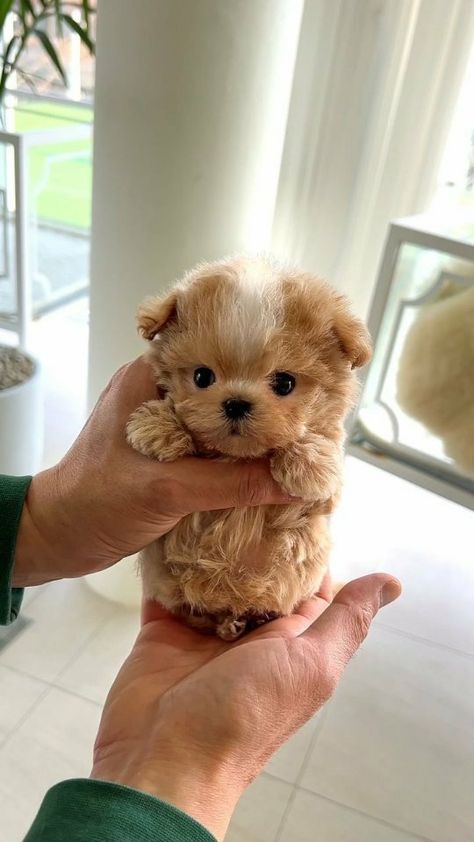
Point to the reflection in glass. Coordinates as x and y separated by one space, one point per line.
418 401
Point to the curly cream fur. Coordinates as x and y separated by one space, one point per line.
435 381
245 319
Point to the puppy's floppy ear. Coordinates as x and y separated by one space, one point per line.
352 335
155 313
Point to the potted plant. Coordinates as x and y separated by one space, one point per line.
30 21
21 413
21 405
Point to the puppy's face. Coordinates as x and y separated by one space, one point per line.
253 356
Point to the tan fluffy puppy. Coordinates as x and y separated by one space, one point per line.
253 360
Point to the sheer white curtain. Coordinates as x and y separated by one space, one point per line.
375 87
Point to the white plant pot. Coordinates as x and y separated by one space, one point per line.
120 584
22 425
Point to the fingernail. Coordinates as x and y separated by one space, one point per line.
390 591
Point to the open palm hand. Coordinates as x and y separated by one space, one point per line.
193 719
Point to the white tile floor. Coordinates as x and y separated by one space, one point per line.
390 759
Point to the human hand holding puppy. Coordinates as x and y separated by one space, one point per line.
192 719
104 501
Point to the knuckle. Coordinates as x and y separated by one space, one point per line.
173 492
165 494
249 489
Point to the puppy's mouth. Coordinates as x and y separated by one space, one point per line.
235 441
231 437
241 441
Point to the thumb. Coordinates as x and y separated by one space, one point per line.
344 625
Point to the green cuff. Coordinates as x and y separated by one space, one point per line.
84 810
12 497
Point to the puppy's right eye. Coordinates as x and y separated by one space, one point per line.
283 383
204 377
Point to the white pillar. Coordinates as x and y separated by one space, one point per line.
191 109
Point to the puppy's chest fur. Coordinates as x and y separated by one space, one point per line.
251 562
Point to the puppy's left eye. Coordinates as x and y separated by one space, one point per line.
283 383
204 377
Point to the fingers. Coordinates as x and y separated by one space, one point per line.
204 485
326 588
341 629
304 615
199 484
295 624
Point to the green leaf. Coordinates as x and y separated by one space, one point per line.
86 9
9 62
58 17
25 7
83 34
5 7
52 53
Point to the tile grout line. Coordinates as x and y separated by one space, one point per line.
85 644
297 787
82 648
286 812
348 807
95 633
291 799
22 720
426 641
79 651
24 674
52 685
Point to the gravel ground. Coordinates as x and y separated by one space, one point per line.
15 367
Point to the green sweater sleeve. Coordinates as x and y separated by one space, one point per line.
12 496
85 810
97 811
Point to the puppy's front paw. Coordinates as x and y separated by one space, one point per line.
154 430
310 469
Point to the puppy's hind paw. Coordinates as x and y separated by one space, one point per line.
231 628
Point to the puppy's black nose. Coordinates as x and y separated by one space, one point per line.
236 409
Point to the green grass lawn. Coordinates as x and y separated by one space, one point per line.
66 168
